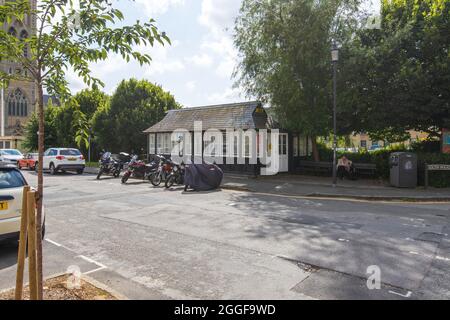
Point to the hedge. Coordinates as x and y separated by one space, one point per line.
438 179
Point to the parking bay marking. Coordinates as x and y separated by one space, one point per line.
100 265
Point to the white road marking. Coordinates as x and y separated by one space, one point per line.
53 242
92 261
343 240
407 295
430 256
95 270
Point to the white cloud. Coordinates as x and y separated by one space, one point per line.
201 60
230 94
191 85
157 7
218 17
163 61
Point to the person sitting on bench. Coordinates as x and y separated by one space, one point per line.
345 168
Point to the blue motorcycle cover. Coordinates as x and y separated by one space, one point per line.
203 177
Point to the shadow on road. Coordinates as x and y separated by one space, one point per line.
8 254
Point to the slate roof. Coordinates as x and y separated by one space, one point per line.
220 117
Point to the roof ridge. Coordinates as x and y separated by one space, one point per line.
227 105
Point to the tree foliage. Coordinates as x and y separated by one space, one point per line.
67 38
134 106
285 56
397 78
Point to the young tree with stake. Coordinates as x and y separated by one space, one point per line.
67 38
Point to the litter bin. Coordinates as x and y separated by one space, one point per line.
403 167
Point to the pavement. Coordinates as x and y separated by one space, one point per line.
153 243
321 187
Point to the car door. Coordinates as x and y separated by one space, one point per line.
47 160
11 191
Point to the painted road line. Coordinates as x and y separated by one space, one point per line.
92 261
430 256
53 242
100 265
407 295
95 270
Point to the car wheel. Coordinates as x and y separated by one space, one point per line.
80 171
52 169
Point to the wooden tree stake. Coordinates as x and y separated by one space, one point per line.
31 206
22 245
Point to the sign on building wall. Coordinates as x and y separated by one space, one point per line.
446 141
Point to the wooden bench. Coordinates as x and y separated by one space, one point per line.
365 169
327 167
316 167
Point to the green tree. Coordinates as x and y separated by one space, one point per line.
51 137
65 38
134 106
91 100
397 78
284 47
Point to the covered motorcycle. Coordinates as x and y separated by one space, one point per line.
203 177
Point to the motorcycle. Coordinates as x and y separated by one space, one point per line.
111 165
162 173
176 176
139 169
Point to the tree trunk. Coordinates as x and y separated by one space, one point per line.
315 150
40 193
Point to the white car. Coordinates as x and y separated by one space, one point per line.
63 159
11 193
10 156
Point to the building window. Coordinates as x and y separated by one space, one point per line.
151 143
303 146
295 146
363 144
12 31
283 145
164 143
23 36
17 104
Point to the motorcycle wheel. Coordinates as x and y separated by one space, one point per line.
125 177
155 179
170 181
99 174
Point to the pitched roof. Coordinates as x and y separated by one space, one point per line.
220 117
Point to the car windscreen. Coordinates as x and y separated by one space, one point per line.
70 152
10 179
11 153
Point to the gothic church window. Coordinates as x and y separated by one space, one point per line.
17 104
24 35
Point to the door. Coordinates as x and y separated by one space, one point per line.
284 152
49 156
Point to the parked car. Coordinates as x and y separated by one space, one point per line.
63 159
28 161
10 156
11 192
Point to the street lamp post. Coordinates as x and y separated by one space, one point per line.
334 60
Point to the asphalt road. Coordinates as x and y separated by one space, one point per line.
151 243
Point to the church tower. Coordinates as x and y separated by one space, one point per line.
17 102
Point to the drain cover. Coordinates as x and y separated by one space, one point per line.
430 237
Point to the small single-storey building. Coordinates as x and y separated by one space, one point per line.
246 118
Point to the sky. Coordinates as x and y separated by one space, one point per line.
197 68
